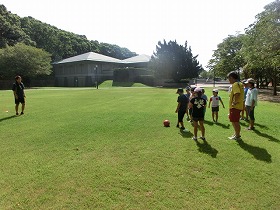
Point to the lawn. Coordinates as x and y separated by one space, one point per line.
82 148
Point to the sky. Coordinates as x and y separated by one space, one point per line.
140 25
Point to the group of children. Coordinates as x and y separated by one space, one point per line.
194 104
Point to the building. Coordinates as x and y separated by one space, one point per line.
89 69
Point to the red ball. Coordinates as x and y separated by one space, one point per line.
166 123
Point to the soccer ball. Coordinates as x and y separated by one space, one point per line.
166 123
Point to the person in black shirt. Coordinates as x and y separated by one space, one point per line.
182 107
18 89
198 105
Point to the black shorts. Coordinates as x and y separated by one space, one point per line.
19 100
181 115
215 109
196 119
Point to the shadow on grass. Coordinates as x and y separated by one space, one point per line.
257 152
7 118
186 134
218 124
269 137
206 148
261 126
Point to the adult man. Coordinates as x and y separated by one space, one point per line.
235 103
18 89
251 101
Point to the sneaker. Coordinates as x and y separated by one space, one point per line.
17 113
185 130
203 138
177 126
182 128
21 113
234 138
249 128
194 138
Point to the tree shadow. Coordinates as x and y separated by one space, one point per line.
257 152
269 137
206 148
7 118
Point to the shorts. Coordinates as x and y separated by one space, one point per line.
196 119
250 112
234 115
215 109
20 100
181 115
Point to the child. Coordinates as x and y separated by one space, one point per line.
182 107
197 104
206 99
215 99
251 102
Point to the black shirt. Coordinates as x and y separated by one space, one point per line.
198 107
183 100
19 89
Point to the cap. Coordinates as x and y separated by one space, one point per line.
197 90
250 80
215 90
180 90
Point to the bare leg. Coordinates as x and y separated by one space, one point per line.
22 108
16 108
216 113
202 128
236 127
195 124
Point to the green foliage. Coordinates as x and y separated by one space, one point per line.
24 60
262 44
174 61
10 29
61 44
108 149
227 57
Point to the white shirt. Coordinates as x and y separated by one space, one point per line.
252 94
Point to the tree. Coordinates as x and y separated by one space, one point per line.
262 45
227 57
174 61
10 29
24 60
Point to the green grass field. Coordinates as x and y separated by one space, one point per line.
107 149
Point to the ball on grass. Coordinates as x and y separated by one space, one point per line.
166 123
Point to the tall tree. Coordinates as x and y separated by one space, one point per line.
262 44
174 61
227 57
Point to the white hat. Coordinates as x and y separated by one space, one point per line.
197 90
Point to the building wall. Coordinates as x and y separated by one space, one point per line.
83 73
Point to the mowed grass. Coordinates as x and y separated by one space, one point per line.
107 149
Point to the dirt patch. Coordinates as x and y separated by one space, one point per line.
266 95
